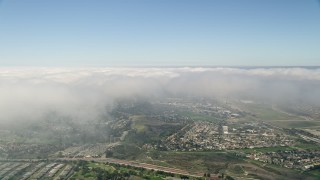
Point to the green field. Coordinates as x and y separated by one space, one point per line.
276 117
307 146
267 149
315 127
267 113
315 173
295 124
199 117
102 166
139 122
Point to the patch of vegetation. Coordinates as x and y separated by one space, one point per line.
199 117
315 173
138 123
267 149
149 130
92 170
307 145
264 112
237 169
295 124
197 162
125 151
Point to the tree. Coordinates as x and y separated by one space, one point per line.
109 153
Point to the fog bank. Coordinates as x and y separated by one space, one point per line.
86 93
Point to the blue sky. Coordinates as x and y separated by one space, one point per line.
163 32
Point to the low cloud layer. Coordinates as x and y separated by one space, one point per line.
85 93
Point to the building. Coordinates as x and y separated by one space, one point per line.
225 129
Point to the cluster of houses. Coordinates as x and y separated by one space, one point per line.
209 136
296 159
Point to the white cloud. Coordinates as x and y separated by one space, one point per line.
83 93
